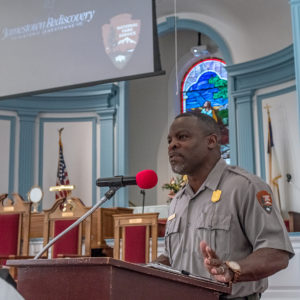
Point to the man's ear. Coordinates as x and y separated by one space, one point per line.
212 141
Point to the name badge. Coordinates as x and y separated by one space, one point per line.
171 217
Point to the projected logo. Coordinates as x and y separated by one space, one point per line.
120 38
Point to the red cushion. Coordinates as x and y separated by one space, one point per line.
9 226
67 244
135 244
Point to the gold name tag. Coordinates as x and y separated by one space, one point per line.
171 217
135 221
67 214
8 208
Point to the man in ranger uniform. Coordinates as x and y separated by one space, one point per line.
223 224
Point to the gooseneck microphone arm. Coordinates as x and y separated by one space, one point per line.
106 197
116 181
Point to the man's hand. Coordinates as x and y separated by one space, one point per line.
260 264
214 265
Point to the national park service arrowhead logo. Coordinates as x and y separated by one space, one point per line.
120 38
265 200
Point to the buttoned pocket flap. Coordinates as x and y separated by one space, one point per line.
216 222
221 222
203 221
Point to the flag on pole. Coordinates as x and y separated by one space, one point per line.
274 171
62 177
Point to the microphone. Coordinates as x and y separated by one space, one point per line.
146 179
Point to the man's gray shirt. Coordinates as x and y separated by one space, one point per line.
234 213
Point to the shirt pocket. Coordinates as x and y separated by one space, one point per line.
216 232
172 236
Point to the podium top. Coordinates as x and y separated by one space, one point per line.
114 263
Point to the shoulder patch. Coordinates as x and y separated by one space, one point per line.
265 200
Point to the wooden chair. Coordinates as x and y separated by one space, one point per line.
294 221
135 236
14 228
103 218
61 215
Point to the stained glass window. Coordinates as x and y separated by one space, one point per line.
204 87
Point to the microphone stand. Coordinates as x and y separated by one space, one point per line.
112 190
143 193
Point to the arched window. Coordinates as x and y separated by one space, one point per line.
204 87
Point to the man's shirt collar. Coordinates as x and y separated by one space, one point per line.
212 180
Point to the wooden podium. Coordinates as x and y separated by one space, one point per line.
107 278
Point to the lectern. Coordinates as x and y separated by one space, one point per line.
107 278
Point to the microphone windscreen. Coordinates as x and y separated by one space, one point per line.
146 179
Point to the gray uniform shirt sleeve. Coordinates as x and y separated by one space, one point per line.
264 229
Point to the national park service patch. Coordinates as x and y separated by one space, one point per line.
265 200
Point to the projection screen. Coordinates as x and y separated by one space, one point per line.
51 45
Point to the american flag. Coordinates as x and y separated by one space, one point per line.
274 170
62 177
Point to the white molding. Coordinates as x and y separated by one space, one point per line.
286 283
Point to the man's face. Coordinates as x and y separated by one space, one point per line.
188 145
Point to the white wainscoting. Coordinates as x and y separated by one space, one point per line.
285 285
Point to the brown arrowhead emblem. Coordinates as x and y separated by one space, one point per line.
265 200
120 38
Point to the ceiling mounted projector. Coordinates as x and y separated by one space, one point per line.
200 51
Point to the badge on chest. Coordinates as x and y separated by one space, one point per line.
216 195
